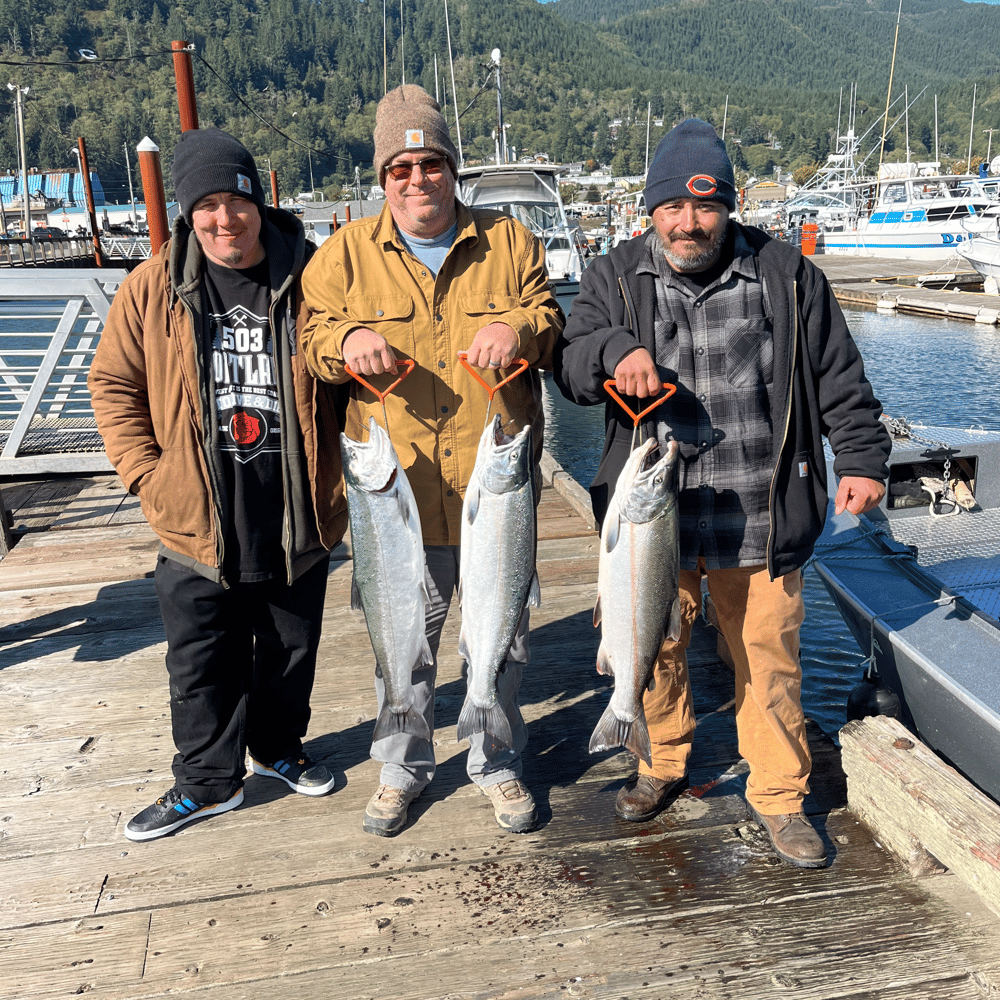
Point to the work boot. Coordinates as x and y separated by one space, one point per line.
385 814
793 838
513 805
644 796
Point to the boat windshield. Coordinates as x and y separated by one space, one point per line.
524 195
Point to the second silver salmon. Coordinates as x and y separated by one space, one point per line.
497 571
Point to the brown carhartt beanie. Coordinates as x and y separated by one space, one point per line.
408 118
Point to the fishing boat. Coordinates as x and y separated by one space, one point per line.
917 214
917 580
982 249
529 192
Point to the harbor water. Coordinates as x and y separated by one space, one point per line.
929 371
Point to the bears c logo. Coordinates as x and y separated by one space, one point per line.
702 186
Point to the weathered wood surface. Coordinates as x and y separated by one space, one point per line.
917 805
286 897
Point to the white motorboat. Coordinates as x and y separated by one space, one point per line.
920 216
529 192
982 250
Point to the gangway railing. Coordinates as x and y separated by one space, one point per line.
50 323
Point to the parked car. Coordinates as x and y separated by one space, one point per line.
48 233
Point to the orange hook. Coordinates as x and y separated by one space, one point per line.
491 389
408 363
636 417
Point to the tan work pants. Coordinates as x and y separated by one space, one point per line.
760 621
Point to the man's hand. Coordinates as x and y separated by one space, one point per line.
636 375
858 495
493 347
368 353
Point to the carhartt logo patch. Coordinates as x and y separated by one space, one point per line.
803 470
415 138
702 186
243 183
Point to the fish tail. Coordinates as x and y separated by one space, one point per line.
390 722
612 732
477 719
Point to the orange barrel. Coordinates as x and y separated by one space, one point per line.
810 231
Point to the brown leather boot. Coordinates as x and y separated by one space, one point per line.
644 796
793 838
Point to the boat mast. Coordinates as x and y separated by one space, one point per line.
972 125
454 92
649 115
500 139
888 95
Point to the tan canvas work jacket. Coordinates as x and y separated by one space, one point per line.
363 276
151 396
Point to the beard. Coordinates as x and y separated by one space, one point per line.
698 259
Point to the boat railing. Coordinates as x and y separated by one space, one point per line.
50 324
69 251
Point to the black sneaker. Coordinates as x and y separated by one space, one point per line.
301 775
172 811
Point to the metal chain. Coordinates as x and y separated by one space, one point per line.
899 427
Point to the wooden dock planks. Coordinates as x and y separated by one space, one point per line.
286 898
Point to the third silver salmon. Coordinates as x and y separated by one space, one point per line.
637 602
497 572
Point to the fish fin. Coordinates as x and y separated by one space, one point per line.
597 611
638 740
493 721
389 723
409 515
463 646
614 528
534 592
604 662
426 657
472 504
674 627
355 595
612 732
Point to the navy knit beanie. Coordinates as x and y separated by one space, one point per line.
207 161
691 162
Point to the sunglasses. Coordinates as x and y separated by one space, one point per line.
432 167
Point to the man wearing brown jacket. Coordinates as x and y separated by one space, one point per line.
427 279
209 415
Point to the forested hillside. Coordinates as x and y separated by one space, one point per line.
298 82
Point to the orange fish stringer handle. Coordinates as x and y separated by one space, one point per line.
408 363
521 363
669 388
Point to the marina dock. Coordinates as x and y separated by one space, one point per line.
947 287
286 898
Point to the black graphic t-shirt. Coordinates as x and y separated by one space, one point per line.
244 380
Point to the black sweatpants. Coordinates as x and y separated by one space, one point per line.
241 663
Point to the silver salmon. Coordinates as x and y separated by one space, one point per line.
637 602
388 583
497 577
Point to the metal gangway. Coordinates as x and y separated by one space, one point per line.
50 323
